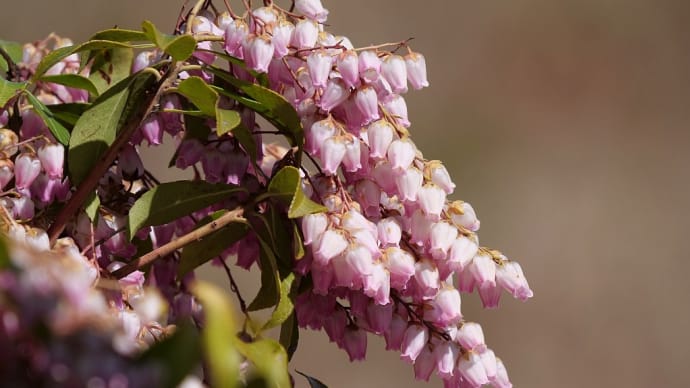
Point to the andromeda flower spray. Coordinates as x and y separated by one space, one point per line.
353 230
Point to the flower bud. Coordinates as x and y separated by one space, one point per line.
409 184
26 169
332 154
424 364
414 340
394 70
236 32
501 379
355 343
489 362
305 35
281 36
369 66
352 161
446 355
394 336
427 277
461 253
313 226
312 9
400 265
8 143
258 52
319 64
189 153
442 237
463 214
471 368
331 244
336 93
151 130
401 154
389 231
431 200
483 269
366 102
471 337
129 163
6 172
379 317
347 64
380 134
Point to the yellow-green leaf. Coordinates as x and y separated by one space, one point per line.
180 47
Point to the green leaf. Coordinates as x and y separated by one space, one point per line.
180 47
271 105
176 356
219 335
57 55
73 81
269 359
93 203
58 130
269 293
289 335
200 94
120 35
109 66
170 201
226 121
68 114
313 382
96 129
13 49
201 251
286 184
9 89
285 304
298 246
261 77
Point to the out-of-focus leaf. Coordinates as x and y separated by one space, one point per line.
201 251
13 49
269 359
285 304
92 205
313 382
218 335
56 128
170 201
287 185
176 356
180 47
73 81
261 77
109 66
68 114
57 55
298 246
98 126
289 335
8 89
5 261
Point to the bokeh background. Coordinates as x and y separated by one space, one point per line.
567 125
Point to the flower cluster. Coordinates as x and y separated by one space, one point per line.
390 256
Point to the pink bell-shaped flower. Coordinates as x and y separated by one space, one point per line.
312 9
416 70
394 70
26 169
258 52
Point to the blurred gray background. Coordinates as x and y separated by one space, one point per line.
566 125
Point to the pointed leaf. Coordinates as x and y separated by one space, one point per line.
201 251
73 81
261 77
120 35
170 201
219 336
226 121
285 305
93 203
313 382
176 356
109 66
180 47
200 94
287 185
9 89
68 114
269 359
58 130
269 293
13 49
98 126
57 55
289 335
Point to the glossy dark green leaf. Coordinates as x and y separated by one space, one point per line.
68 114
269 293
289 335
72 80
226 121
287 185
175 356
285 305
269 359
120 35
96 129
269 104
56 128
93 203
9 89
180 47
57 55
170 201
109 66
199 252
197 91
313 382
218 335
261 77
13 49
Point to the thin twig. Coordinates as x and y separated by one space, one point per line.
235 289
172 246
12 68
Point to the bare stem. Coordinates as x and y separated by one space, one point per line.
235 289
12 68
172 246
